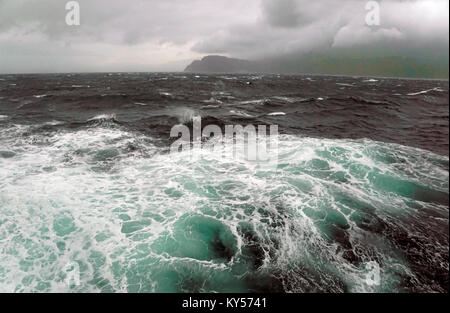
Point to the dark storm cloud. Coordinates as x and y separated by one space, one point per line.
162 34
297 26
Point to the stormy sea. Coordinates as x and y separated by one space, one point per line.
358 201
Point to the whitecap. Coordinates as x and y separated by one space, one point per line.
276 114
185 115
426 91
110 116
287 99
54 123
81 86
240 113
257 101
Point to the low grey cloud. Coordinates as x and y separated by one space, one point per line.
166 34
282 13
299 26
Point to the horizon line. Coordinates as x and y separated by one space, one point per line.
228 73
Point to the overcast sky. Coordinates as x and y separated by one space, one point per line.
165 35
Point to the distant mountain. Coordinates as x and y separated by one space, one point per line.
391 66
221 64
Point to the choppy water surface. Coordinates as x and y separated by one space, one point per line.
86 179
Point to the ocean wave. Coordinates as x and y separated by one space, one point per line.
426 91
212 224
288 99
102 192
80 86
212 100
256 101
101 120
103 117
276 114
370 80
54 123
369 101
165 94
240 113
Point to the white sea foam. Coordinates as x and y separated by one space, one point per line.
256 101
185 115
54 123
59 207
241 113
370 80
276 114
426 91
109 116
80 86
288 99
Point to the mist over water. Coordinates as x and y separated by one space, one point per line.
86 178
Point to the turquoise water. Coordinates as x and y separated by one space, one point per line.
141 220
